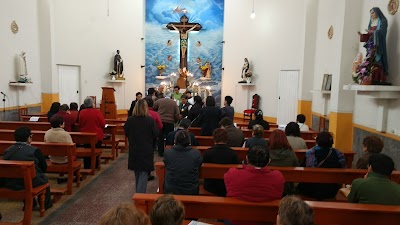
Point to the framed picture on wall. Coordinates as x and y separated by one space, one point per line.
327 82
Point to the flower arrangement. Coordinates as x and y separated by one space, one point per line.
160 67
363 69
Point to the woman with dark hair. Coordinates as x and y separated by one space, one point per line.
281 154
195 111
142 133
259 120
73 109
182 163
322 156
209 117
292 131
55 107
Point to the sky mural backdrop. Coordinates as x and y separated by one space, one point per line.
205 44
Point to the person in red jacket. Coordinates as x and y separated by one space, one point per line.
254 182
68 118
91 120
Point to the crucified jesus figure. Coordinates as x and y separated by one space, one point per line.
184 37
183 27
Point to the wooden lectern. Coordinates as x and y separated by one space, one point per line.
108 106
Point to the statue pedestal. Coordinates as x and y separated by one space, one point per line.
160 77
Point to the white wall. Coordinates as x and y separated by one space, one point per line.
365 109
273 41
27 39
86 36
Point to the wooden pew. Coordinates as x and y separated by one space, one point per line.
58 150
26 118
291 174
43 114
233 209
209 141
300 153
78 138
306 135
13 125
26 171
120 131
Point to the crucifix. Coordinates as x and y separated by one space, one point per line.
183 27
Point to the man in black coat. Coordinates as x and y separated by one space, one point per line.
220 153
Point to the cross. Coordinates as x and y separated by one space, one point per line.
184 28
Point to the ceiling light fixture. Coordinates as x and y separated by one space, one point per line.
253 14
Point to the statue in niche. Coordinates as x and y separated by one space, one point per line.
375 64
118 64
246 72
22 69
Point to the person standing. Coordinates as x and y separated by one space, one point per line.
176 96
142 133
209 117
228 110
138 97
195 111
184 107
169 114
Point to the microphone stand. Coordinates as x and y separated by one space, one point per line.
4 106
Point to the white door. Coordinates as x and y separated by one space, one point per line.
69 84
287 96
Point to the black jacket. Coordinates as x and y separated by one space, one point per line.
209 119
182 165
130 112
220 154
263 123
194 113
142 133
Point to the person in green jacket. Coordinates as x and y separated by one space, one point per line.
376 187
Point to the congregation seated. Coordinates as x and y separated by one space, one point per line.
254 182
322 156
301 119
294 211
220 153
292 131
23 151
282 154
68 119
376 187
259 120
371 145
167 211
57 134
235 135
183 125
124 214
257 139
182 164
91 120
73 109
209 117
228 110
54 108
195 111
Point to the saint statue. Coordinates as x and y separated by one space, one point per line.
246 72
376 61
208 73
22 69
118 64
182 80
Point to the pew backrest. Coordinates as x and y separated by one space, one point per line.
325 213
